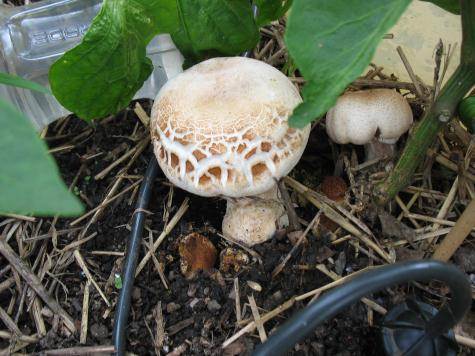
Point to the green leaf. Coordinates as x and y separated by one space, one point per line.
332 42
19 82
210 28
452 6
118 281
101 75
29 179
270 10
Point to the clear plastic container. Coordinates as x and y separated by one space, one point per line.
33 37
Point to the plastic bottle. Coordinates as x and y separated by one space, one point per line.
34 36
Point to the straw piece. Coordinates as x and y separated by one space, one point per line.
32 280
257 318
85 313
80 261
165 232
457 235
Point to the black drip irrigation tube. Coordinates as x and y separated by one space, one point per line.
130 262
331 303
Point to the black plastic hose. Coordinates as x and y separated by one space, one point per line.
130 262
330 304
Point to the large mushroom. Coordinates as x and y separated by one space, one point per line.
375 118
220 129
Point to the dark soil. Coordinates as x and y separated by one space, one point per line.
205 304
199 314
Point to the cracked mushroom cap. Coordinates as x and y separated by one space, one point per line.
360 116
220 127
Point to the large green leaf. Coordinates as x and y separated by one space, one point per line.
332 42
452 6
17 81
270 10
211 28
29 179
101 75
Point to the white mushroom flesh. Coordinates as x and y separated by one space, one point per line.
254 220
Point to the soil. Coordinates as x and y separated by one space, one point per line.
347 334
199 313
204 305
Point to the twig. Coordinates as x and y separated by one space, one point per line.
105 203
115 186
373 305
465 341
181 211
50 234
302 236
105 171
7 283
21 217
37 317
237 300
432 220
457 235
409 70
447 163
85 313
76 244
80 261
24 338
155 261
160 328
84 350
142 115
336 217
32 280
108 253
257 318
294 223
406 211
9 323
329 285
446 206
252 325
423 236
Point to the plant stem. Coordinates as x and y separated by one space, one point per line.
438 115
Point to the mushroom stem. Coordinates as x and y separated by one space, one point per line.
377 149
253 220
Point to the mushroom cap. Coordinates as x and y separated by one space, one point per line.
220 127
358 117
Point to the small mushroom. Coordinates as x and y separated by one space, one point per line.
197 253
220 129
375 118
334 188
232 259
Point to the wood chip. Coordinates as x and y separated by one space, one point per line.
172 330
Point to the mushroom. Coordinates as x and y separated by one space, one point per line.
375 118
220 129
334 188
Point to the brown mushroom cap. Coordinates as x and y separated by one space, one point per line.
220 127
